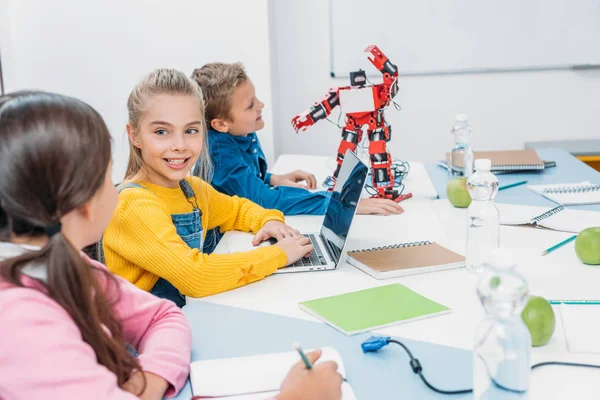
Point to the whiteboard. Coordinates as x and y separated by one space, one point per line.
461 36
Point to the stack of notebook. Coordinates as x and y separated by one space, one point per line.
508 161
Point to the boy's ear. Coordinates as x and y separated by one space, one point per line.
219 125
132 136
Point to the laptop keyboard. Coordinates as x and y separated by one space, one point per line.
316 258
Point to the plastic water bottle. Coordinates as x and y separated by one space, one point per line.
502 360
461 156
483 217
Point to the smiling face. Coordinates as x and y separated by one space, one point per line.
245 115
169 137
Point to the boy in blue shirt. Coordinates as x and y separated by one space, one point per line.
233 115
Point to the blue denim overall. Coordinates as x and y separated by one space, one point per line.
189 228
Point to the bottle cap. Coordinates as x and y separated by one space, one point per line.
483 164
461 117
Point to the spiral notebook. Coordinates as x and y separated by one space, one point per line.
569 194
405 259
509 160
557 218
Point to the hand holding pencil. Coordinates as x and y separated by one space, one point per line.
320 381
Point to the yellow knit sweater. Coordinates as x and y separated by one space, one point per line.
141 243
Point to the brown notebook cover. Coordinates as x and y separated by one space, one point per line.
405 259
509 159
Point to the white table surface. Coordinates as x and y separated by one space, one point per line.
557 275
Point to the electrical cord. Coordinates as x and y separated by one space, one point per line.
375 343
400 170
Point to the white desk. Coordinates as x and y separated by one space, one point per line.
559 275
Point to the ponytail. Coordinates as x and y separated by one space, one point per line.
54 156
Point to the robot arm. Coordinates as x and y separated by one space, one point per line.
381 62
317 111
389 71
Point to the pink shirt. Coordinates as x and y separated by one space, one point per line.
42 354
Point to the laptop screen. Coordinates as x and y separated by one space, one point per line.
343 203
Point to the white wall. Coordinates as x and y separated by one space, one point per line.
6 52
505 109
98 50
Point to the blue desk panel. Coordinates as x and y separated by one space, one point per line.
223 331
568 170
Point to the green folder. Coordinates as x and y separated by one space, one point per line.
369 309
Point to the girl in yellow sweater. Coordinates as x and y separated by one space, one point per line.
156 236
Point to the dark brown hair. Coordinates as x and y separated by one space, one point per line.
54 154
218 81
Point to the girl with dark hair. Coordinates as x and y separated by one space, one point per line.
68 328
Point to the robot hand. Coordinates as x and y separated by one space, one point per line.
380 61
317 111
302 121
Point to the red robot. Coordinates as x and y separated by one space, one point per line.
364 105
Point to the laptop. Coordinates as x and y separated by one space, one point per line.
329 243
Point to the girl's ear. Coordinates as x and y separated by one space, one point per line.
219 125
132 136
86 210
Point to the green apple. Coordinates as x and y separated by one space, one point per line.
457 193
587 245
538 315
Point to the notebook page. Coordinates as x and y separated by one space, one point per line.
419 222
572 220
515 214
569 198
347 394
581 324
254 374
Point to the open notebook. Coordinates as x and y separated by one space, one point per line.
557 218
570 193
405 259
253 377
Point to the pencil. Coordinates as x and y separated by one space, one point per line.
596 302
556 246
512 185
297 347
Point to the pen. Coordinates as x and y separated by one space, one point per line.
297 347
512 185
556 246
574 302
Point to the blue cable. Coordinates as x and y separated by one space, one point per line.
374 343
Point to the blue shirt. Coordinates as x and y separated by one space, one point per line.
240 169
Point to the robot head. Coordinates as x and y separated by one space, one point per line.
358 78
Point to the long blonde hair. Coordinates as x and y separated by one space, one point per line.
159 82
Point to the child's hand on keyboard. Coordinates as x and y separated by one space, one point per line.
274 229
295 248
